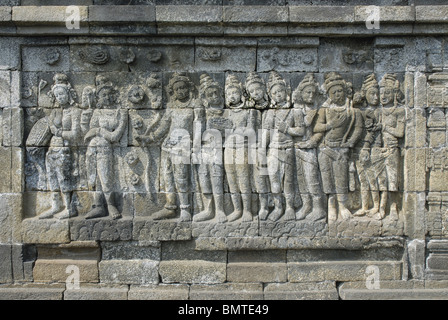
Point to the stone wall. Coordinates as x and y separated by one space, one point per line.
223 150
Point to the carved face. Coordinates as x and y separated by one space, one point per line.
337 95
233 96
105 97
213 96
278 93
386 95
372 96
256 91
308 94
181 91
61 96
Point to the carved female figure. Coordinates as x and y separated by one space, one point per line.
277 124
304 116
341 126
370 141
211 168
107 127
64 123
239 142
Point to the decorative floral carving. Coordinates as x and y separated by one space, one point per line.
127 55
94 55
210 54
154 55
51 56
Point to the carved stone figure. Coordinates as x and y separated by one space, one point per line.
277 124
304 116
256 90
64 124
155 91
176 126
240 141
341 125
393 128
107 127
211 167
370 142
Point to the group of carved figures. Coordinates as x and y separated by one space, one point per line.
255 136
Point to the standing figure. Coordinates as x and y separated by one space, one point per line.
258 99
393 117
341 125
176 126
370 142
304 116
211 167
277 123
64 124
239 143
107 127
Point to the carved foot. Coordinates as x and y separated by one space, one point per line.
222 218
345 213
235 215
290 214
185 216
360 213
247 216
316 215
263 214
96 212
65 214
113 212
394 212
372 212
276 214
164 214
48 214
203 216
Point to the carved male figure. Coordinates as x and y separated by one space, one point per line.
277 124
107 127
240 141
176 128
341 125
304 116
64 124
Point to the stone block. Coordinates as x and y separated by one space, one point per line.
6 275
5 86
11 162
46 58
102 229
392 14
217 54
433 14
227 291
301 291
128 251
115 14
32 292
5 14
13 127
199 271
416 254
123 2
10 217
45 231
341 270
159 292
97 292
321 14
45 15
23 258
137 272
181 14
257 266
145 229
56 2
255 14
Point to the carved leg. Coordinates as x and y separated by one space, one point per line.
264 211
169 211
238 210
67 213
376 203
219 207
185 214
318 212
383 204
113 211
98 209
207 213
343 210
247 204
364 204
290 214
332 210
306 207
56 206
278 208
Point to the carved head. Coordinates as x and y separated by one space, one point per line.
155 91
106 94
390 92
277 89
136 94
336 88
234 92
306 91
370 90
180 87
88 97
62 93
211 92
256 87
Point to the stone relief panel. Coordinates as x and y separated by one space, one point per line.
114 153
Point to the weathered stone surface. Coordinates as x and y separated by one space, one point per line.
159 292
301 291
192 271
227 291
32 292
97 292
6 275
28 15
323 14
130 271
